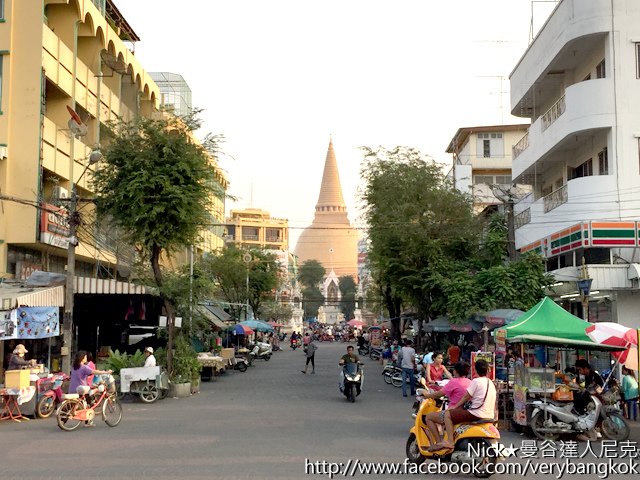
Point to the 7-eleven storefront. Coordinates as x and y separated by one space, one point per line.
611 252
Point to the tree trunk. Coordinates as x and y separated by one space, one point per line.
393 307
168 306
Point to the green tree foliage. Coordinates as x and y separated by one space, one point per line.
348 291
311 273
229 272
276 312
312 300
155 183
427 250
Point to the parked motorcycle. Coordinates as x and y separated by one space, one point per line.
49 392
260 350
475 442
551 419
241 364
351 380
364 349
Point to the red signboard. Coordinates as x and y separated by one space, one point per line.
54 226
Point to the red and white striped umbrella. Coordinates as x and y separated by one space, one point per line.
608 333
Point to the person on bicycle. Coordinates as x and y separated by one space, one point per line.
81 372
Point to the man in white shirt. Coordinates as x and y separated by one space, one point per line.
481 393
408 356
150 361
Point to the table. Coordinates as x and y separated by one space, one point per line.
13 398
212 365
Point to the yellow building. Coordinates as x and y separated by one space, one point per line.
255 228
58 55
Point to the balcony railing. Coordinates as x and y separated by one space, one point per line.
553 113
555 199
522 218
520 147
273 238
250 237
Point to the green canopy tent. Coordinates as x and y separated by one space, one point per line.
549 319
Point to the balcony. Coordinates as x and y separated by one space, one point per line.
553 113
522 218
249 238
521 146
274 239
555 199
587 106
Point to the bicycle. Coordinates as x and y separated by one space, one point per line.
74 408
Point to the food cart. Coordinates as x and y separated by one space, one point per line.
544 335
149 383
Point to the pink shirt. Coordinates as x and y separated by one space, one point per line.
455 389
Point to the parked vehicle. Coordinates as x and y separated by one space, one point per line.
551 418
375 353
474 443
352 380
49 393
260 350
76 409
363 349
241 364
392 375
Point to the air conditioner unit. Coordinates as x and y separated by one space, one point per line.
60 192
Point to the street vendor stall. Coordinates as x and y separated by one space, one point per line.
545 339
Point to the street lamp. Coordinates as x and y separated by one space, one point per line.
74 220
247 258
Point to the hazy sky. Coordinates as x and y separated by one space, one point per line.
278 77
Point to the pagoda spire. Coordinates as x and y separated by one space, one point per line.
330 198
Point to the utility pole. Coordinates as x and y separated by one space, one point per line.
74 221
508 194
584 287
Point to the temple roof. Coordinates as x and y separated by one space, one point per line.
330 190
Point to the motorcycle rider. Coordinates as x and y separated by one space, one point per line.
482 395
349 357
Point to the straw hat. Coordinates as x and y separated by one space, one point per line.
20 350
149 349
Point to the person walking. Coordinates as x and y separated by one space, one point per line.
311 355
630 393
408 364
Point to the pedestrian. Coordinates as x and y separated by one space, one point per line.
630 393
311 356
453 352
408 364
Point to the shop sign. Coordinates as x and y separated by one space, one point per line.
501 341
29 323
54 226
487 357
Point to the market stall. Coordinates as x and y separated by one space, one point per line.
546 340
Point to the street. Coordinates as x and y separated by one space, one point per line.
264 423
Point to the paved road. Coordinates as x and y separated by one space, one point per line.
260 424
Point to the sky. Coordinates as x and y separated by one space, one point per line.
278 78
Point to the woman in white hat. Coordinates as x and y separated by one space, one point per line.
17 360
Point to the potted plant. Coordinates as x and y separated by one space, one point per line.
184 364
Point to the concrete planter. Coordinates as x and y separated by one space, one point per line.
180 390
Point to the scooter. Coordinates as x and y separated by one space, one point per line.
49 391
240 363
260 350
295 344
351 380
475 442
551 419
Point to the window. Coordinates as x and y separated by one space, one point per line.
600 70
2 10
584 170
492 179
490 145
503 179
637 60
485 179
1 77
603 162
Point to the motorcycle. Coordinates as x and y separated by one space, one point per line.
260 350
364 349
49 392
240 363
552 418
392 375
295 344
351 380
475 442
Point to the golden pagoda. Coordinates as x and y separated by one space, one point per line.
330 239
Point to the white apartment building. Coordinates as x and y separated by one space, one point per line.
579 84
482 158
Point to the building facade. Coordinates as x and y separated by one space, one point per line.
256 228
482 163
579 84
175 94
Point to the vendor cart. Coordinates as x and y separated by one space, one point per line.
149 383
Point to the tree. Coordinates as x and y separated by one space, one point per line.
312 300
155 183
419 227
230 271
348 290
311 273
276 312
